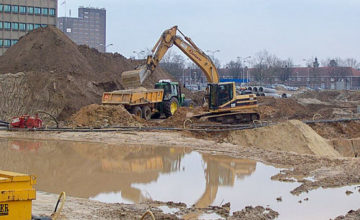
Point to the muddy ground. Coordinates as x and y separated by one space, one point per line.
327 171
78 209
46 71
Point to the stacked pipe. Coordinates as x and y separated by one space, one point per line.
4 124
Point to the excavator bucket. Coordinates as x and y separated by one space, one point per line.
134 78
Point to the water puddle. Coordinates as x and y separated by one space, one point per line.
135 174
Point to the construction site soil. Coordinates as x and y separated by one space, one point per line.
103 116
46 71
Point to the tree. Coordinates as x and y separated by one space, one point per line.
173 63
348 62
235 68
316 63
267 67
333 63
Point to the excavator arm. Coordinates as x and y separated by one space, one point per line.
135 78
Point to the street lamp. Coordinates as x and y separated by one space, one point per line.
247 72
213 53
139 54
245 60
105 46
308 71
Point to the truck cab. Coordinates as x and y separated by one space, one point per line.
172 99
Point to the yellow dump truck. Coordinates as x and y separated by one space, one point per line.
16 195
146 103
138 102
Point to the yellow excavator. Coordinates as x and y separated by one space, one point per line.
224 105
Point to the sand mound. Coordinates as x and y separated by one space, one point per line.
183 113
331 96
276 108
290 136
103 115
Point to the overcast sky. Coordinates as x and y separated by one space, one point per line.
299 29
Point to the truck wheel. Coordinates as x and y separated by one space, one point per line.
170 107
137 111
188 103
146 112
156 115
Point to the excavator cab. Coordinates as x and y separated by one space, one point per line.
219 94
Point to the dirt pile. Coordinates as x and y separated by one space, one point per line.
256 213
331 96
276 108
290 136
182 114
57 75
103 115
332 103
338 130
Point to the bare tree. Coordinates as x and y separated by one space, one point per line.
337 61
268 67
173 63
235 68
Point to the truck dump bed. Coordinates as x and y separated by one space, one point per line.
133 97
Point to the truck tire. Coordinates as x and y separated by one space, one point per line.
170 107
146 112
188 103
136 111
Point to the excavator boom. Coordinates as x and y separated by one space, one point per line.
135 78
223 102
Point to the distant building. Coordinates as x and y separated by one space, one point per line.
338 78
17 17
88 29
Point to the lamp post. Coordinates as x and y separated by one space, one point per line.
213 53
106 46
242 62
247 72
308 76
139 54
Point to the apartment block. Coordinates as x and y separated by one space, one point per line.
17 17
89 28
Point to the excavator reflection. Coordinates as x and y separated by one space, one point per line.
87 169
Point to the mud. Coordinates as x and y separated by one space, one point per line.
257 213
271 108
180 116
351 215
338 129
327 171
78 209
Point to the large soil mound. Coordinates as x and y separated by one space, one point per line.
331 95
57 76
290 136
103 115
276 108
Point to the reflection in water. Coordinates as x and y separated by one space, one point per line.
88 169
133 174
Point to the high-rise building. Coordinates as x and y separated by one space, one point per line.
17 17
88 29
